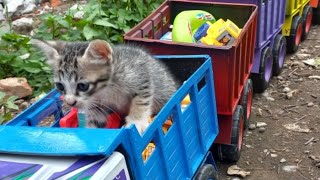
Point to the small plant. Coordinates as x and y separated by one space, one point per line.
18 58
103 19
6 106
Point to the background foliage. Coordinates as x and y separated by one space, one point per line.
104 19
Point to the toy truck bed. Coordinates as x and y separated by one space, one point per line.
179 153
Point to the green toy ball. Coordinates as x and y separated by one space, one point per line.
186 24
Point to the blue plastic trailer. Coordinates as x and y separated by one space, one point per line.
182 152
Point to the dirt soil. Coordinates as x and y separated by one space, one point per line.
267 154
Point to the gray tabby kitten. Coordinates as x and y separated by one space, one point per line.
98 78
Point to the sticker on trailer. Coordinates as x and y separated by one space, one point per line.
57 168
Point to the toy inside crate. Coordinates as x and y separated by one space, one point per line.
163 23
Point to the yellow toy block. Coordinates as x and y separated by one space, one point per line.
221 33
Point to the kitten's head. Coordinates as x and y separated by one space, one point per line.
80 69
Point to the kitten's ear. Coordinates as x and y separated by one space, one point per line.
50 49
99 52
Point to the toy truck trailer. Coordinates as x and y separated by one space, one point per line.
182 152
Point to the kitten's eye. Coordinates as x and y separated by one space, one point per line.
59 86
83 86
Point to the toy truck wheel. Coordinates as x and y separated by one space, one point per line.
279 53
231 152
307 21
207 171
261 81
294 39
246 102
316 15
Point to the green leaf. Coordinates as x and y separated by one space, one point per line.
11 105
12 98
32 67
7 117
92 15
63 23
104 22
89 32
1 119
2 95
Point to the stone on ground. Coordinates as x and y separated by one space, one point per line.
16 86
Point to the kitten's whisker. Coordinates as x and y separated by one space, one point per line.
99 111
96 103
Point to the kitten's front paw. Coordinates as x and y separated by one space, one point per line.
141 125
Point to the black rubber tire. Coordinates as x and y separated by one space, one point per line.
247 91
260 84
306 10
230 153
279 41
207 171
292 47
316 15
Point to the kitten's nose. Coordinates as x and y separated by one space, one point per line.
70 101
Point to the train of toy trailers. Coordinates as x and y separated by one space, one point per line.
219 82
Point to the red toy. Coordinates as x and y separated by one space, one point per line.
71 120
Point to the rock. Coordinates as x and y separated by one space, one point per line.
1 14
270 98
298 63
252 127
23 25
259 113
29 8
16 86
310 104
283 160
235 170
261 124
306 152
261 129
78 15
290 94
286 89
296 128
303 55
24 105
314 77
18 7
13 6
18 101
236 178
273 155
248 146
279 77
290 168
